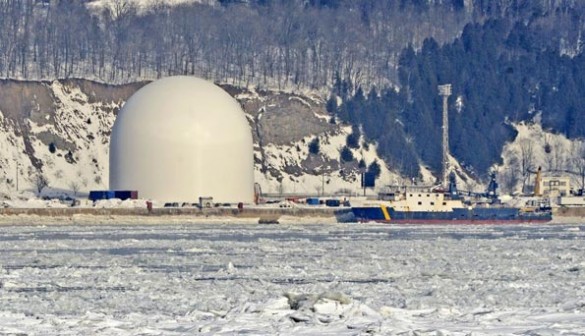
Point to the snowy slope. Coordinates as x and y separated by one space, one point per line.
83 124
553 153
67 142
68 147
327 179
13 161
65 139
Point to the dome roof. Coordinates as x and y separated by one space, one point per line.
181 138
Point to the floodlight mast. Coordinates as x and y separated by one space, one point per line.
445 92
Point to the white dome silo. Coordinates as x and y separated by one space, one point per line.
181 138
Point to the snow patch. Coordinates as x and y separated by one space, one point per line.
536 147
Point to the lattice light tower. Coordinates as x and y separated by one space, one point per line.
445 92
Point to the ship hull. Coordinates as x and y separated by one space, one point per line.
475 216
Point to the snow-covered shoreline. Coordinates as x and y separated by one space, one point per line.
137 220
82 219
77 219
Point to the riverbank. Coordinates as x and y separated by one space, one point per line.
252 215
192 215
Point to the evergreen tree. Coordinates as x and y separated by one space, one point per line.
352 140
346 154
314 146
331 105
374 169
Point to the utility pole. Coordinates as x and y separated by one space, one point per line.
445 92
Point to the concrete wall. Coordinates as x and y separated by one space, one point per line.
569 212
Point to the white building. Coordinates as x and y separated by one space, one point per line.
181 138
555 186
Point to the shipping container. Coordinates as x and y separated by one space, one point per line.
96 195
126 194
312 201
332 203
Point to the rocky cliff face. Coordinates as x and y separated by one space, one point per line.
55 136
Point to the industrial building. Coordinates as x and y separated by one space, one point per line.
555 186
182 138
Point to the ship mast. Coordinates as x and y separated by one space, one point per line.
445 92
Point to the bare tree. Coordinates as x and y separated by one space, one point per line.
578 163
527 164
281 189
40 182
74 186
510 178
281 43
559 155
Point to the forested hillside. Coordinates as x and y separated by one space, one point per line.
506 69
379 61
274 44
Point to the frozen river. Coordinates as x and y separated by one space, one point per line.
290 279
